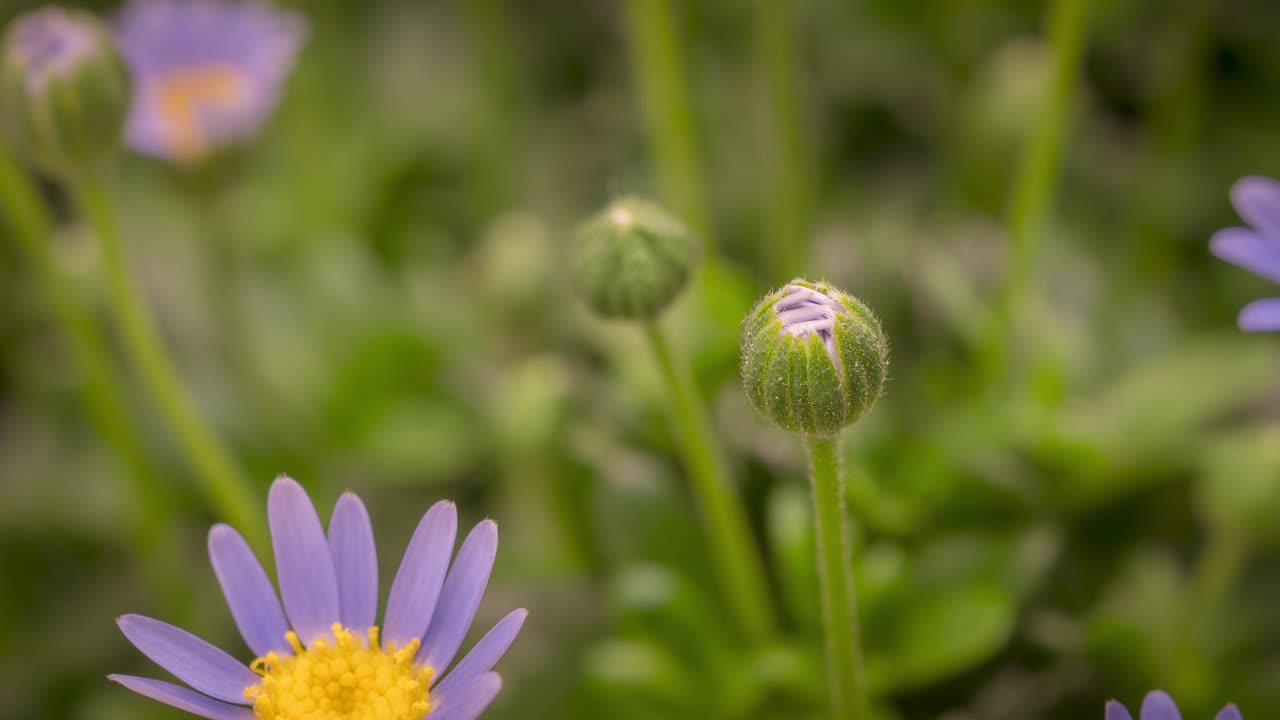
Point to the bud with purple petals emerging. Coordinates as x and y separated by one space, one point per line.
814 359
64 90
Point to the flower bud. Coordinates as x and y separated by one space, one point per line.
633 259
814 359
64 90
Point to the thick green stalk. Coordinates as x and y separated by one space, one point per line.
734 556
227 488
659 67
848 685
1042 158
786 184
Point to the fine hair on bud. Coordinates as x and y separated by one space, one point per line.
814 358
633 258
64 89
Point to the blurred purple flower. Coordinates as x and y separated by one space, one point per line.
1255 248
206 73
1157 705
329 587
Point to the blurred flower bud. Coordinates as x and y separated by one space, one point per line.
64 90
633 259
814 359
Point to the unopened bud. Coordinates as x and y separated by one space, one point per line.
814 359
64 90
633 259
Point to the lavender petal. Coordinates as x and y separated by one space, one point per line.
1261 316
190 659
416 588
485 654
463 590
470 700
1230 712
182 698
1116 711
1257 199
248 591
1157 705
308 582
355 560
1248 249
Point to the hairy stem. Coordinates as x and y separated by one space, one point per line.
849 696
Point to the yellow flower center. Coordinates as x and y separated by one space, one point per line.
183 93
347 679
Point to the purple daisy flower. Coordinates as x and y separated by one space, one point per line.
206 73
1157 705
336 663
1255 248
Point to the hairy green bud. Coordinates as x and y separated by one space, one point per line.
633 259
64 89
814 359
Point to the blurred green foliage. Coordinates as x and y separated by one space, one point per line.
374 297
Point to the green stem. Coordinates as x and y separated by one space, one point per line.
786 185
1042 157
659 67
848 685
227 488
734 556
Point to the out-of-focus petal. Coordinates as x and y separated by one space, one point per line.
469 701
1257 199
183 698
308 582
1157 705
484 655
1230 712
1261 316
248 591
190 659
355 560
1116 711
1249 249
463 590
416 589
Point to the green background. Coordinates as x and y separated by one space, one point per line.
377 300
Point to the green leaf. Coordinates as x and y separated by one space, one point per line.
935 635
1145 425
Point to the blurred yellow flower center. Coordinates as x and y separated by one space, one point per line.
183 93
347 679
